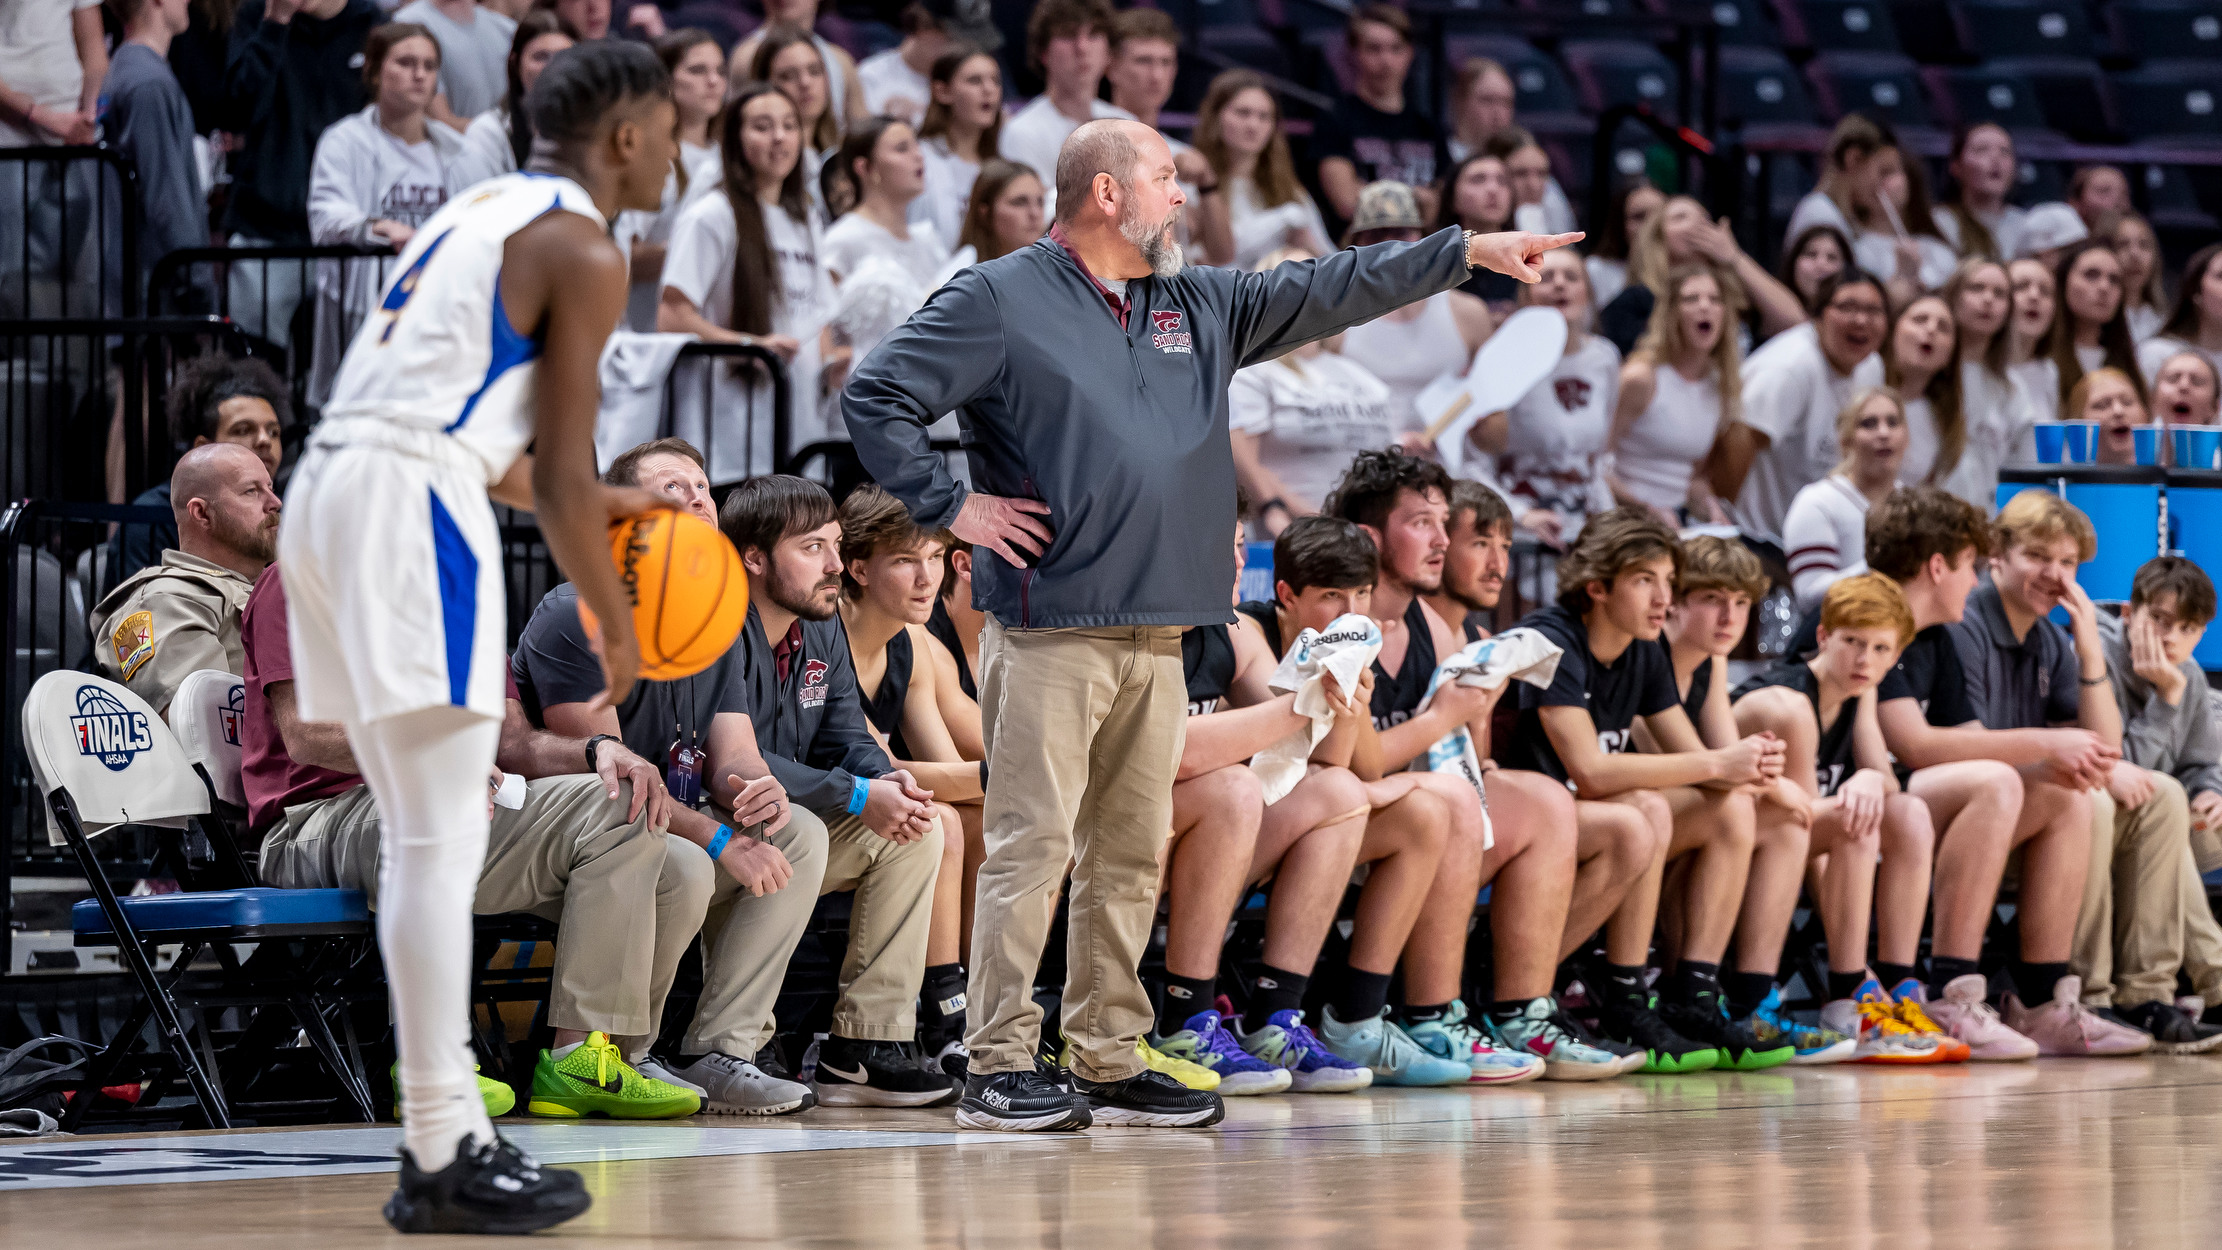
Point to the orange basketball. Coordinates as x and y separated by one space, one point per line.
689 592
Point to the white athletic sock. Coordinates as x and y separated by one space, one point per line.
428 770
559 1052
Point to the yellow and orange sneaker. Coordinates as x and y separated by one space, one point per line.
1911 996
1871 1017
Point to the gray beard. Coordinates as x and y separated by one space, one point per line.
1156 244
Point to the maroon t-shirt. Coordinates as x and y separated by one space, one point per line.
273 780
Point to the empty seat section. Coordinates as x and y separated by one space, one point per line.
1965 96
2147 31
1881 85
1609 72
1838 25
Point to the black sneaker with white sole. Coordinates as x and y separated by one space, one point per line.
491 1187
854 1073
1021 1102
1149 1100
2175 1032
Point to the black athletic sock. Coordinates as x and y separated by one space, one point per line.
1891 974
1409 1015
1184 997
2034 982
1363 996
941 1012
1273 990
1943 970
1746 990
1845 984
1694 983
1621 988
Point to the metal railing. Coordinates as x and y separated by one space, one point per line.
699 395
73 250
81 401
270 293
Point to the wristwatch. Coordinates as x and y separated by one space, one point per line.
593 746
1471 235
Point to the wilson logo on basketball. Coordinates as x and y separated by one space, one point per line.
813 692
637 540
1170 338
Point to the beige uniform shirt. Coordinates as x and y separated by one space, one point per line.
169 620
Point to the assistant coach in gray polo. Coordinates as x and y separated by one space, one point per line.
1089 372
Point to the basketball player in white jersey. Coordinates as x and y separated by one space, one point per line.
485 344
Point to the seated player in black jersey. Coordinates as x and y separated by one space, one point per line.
907 683
1227 837
1615 586
1989 791
956 623
1844 811
1720 580
1476 562
1403 504
1325 568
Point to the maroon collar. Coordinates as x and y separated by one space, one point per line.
784 651
1118 303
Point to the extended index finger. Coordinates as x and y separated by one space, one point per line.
1549 242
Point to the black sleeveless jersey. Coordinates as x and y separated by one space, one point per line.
1396 696
1207 661
944 630
1833 761
885 709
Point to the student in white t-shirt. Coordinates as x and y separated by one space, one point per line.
697 67
1921 361
2195 320
376 177
744 267
964 121
1298 419
844 93
52 60
1238 132
496 138
1869 191
2089 329
2138 248
474 45
2034 297
1680 389
1996 411
789 58
894 82
1825 535
1549 448
2187 391
1006 210
1976 219
1069 41
882 161
1794 387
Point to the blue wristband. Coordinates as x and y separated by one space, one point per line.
858 793
718 841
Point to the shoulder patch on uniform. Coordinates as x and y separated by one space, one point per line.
134 643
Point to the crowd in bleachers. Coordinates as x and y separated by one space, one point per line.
1827 426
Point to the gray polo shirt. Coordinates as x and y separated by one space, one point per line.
2028 684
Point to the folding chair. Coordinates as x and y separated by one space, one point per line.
103 760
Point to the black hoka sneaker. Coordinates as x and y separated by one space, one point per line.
1021 1102
491 1187
1666 1051
1149 1100
878 1074
1706 1023
2174 1032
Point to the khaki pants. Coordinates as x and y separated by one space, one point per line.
629 900
1083 730
2130 933
748 941
2202 937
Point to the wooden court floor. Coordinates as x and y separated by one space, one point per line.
2067 1153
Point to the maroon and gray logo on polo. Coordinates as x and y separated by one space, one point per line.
1169 337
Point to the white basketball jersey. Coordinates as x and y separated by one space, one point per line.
441 353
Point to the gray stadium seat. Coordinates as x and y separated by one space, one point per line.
2145 30
1838 25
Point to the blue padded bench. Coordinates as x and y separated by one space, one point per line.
228 915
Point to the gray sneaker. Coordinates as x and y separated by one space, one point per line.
657 1070
733 1086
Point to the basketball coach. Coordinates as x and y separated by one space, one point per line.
1089 373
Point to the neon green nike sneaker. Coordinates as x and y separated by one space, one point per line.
499 1098
1192 1075
594 1079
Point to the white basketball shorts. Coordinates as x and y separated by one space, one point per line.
393 575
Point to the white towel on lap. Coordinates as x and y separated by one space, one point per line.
1345 649
1490 663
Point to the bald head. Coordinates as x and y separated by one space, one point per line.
1106 146
226 508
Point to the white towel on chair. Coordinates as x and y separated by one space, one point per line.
1490 663
1345 649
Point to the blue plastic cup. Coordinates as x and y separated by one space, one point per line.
2082 441
2052 441
2196 446
2145 444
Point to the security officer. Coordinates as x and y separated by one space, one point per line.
182 614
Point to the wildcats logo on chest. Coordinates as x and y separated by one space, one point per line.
1169 337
